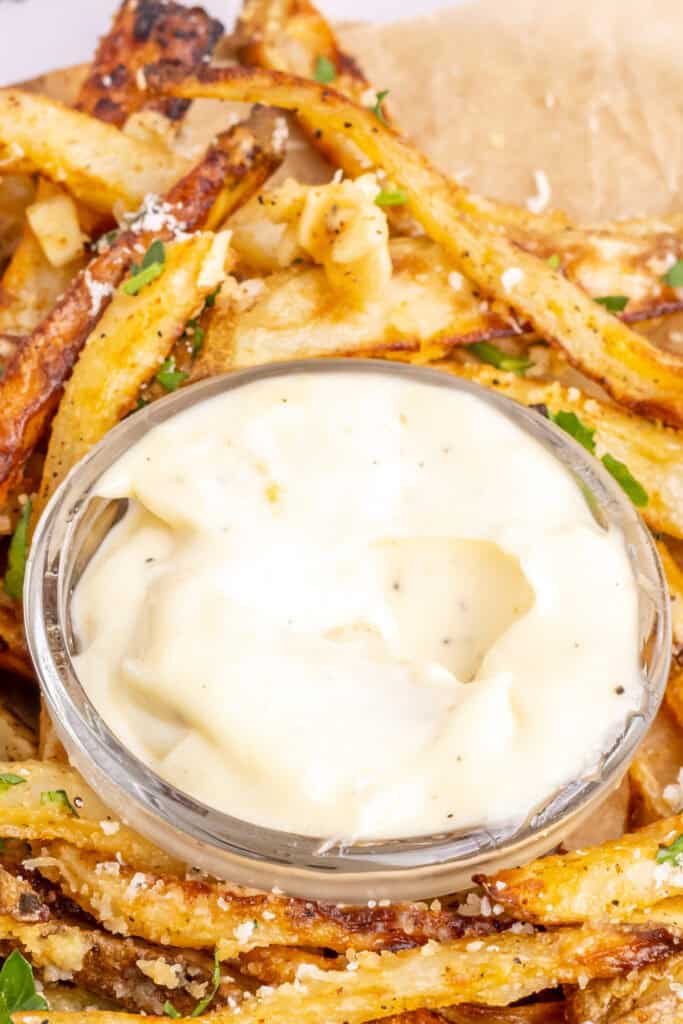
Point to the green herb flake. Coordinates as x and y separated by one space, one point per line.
17 555
674 275
170 1010
495 356
672 854
626 480
210 300
554 261
377 109
391 197
18 988
9 779
142 274
196 335
168 376
325 70
203 1003
572 425
60 799
613 303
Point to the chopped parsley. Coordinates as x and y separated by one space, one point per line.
391 197
554 261
572 425
674 275
169 1008
18 988
626 480
140 404
17 555
325 70
377 109
210 300
168 376
613 303
672 854
196 334
60 799
8 779
495 356
142 274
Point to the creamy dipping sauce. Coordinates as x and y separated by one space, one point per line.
354 605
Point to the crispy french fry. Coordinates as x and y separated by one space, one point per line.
98 164
16 192
24 816
204 914
13 654
655 766
19 900
31 385
144 32
674 695
648 996
653 453
54 221
131 340
138 976
17 741
274 965
612 882
674 579
636 373
534 1013
500 970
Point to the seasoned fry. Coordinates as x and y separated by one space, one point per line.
143 32
654 768
648 996
534 1013
636 373
31 386
674 695
24 816
612 882
98 164
16 192
131 340
54 221
17 741
499 970
197 914
13 654
123 969
674 579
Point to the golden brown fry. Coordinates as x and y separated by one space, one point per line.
612 882
16 192
534 1013
630 368
653 453
143 32
198 914
130 341
655 766
13 654
648 996
32 383
17 741
274 965
19 900
500 970
24 816
674 579
97 163
674 694
138 976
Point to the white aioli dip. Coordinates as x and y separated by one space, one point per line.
350 605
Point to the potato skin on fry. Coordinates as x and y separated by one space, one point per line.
31 386
144 32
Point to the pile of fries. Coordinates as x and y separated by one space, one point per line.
147 240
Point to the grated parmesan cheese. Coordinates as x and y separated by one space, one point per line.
539 202
511 277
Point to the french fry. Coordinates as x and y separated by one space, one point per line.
612 882
122 969
648 996
204 914
654 767
674 579
634 372
674 694
18 899
16 192
54 221
98 164
31 385
17 741
144 32
499 970
13 654
533 1013
24 815
133 337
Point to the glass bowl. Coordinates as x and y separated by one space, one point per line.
71 529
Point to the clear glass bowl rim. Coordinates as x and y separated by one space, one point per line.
302 865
